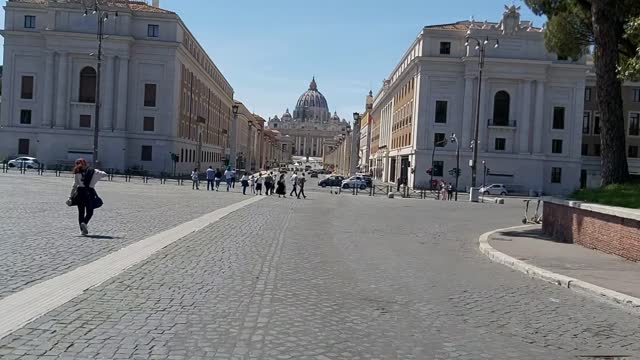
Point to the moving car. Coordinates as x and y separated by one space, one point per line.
494 189
333 180
354 181
24 161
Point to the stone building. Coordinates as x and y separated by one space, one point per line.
311 126
160 92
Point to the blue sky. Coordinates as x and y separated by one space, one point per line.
269 50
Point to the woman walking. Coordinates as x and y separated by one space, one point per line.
194 177
281 190
252 184
244 181
218 178
83 193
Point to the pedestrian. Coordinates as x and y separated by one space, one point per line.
218 178
301 182
450 192
259 182
228 175
252 184
443 191
294 184
268 182
83 193
281 190
210 178
233 178
194 178
244 181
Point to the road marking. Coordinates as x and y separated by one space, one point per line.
23 307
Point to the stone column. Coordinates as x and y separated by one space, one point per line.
467 115
482 133
107 86
539 117
61 90
524 122
123 86
47 106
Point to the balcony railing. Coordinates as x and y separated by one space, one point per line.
501 123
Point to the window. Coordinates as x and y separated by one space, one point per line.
29 22
563 58
153 30
586 122
441 112
500 144
150 95
587 94
596 149
558 117
23 146
25 117
634 124
27 87
148 123
439 140
636 95
633 151
87 85
556 175
501 103
445 48
146 153
438 168
596 123
85 121
556 146
585 149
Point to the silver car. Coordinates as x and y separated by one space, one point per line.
24 161
494 189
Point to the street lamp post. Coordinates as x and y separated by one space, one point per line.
481 47
233 140
102 16
454 139
355 144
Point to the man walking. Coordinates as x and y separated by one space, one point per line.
210 178
301 182
268 184
294 184
228 175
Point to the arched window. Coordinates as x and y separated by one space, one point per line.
87 85
501 108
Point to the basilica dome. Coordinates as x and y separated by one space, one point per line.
312 105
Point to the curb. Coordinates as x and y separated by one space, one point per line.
611 296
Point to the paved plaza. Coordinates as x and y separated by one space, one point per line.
330 277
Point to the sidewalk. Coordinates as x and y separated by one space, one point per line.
565 262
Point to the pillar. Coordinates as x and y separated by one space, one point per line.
47 106
539 118
61 89
525 118
467 114
107 102
482 133
123 86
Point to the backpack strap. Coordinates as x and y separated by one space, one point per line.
87 177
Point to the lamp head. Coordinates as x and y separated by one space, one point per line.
235 109
497 45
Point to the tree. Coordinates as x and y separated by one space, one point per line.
612 26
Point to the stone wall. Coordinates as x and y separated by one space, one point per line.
611 230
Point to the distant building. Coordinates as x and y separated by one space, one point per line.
160 93
311 128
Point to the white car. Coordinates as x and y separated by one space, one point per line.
494 189
24 161
354 181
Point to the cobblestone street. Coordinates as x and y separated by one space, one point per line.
331 277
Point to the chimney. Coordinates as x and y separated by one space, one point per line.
156 3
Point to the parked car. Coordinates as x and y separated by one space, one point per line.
494 189
354 181
24 161
313 174
333 180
